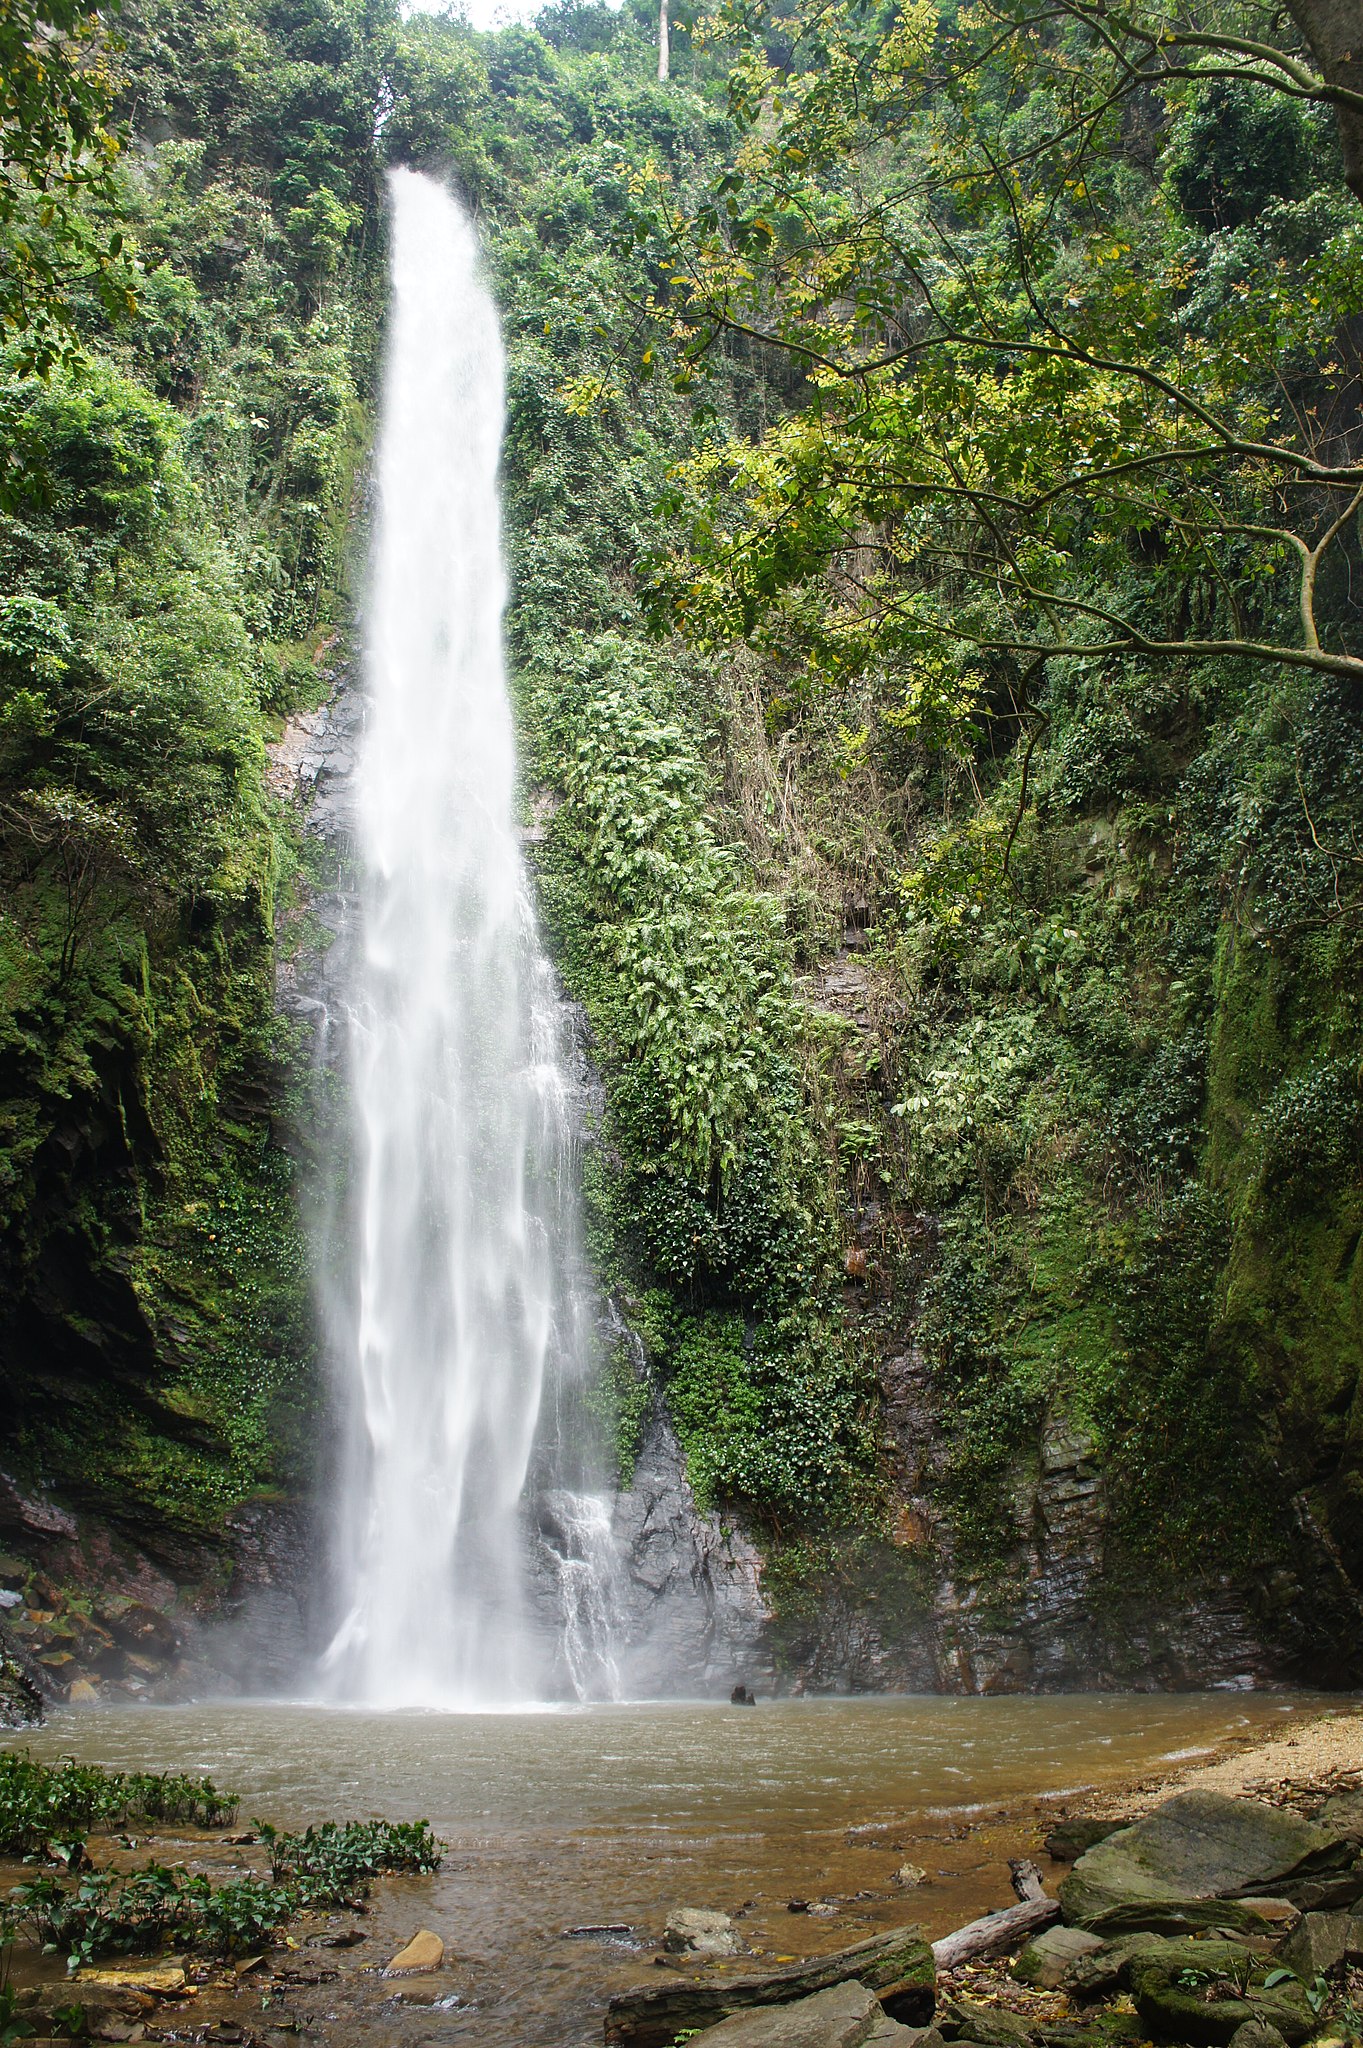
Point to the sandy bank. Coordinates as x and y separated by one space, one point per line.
1308 1756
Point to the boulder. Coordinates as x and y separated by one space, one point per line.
898 1966
910 1875
1110 2028
424 1952
1198 1845
1070 1839
1343 1812
1044 1961
844 2016
1327 1893
1277 1913
1318 1945
989 2026
142 1628
1102 1971
692 1930
1188 1916
158 1980
1206 1990
1257 2034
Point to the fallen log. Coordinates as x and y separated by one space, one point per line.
998 1932
898 1967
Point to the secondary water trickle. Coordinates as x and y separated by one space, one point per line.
462 1212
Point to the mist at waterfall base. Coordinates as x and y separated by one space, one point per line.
465 1342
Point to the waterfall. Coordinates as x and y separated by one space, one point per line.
462 1207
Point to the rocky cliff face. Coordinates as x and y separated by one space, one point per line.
696 1609
695 1615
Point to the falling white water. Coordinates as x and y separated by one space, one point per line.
457 1100
579 1548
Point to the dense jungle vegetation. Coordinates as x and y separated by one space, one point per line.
933 505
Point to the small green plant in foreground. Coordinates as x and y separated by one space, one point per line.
13 2027
46 1804
46 1809
106 1912
332 1864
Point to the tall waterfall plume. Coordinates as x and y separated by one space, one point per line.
462 1213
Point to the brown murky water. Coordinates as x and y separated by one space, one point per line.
560 1820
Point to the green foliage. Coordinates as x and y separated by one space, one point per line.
1239 148
13 2026
57 148
619 1400
331 1865
887 361
698 956
767 1419
41 1801
106 1912
171 572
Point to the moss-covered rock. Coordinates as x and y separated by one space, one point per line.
1207 1990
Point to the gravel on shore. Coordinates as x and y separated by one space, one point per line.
1308 1756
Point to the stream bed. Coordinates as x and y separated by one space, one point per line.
612 1816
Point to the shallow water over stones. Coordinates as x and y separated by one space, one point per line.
610 1817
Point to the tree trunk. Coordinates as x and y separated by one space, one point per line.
664 45
999 1932
1334 33
897 1967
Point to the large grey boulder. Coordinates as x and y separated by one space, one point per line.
844 2016
1197 1845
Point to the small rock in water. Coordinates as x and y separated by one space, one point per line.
797 1905
741 1696
909 1875
425 1951
162 1981
699 1932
